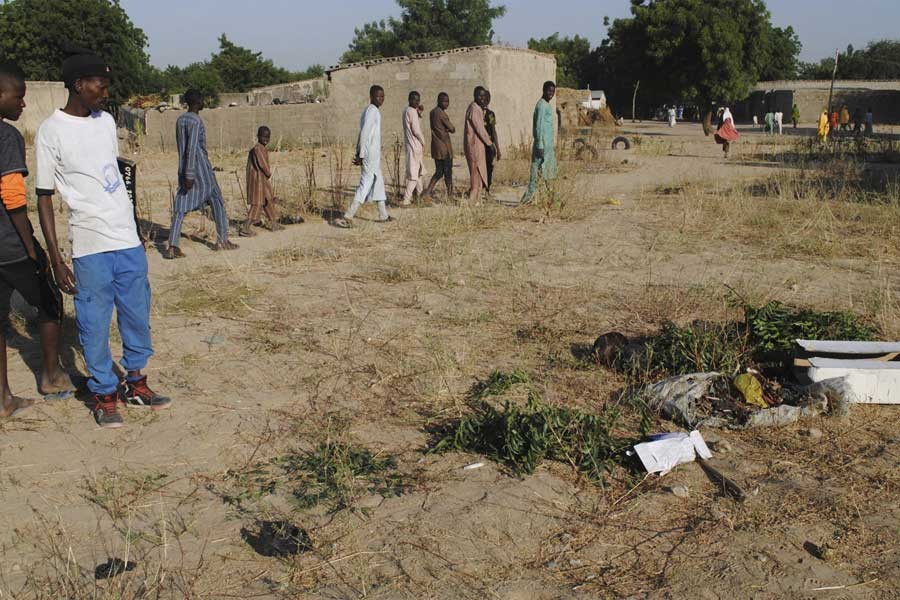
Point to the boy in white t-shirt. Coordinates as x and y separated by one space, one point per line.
77 155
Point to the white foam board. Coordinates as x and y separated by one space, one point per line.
871 381
839 347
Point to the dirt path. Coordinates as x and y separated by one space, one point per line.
370 334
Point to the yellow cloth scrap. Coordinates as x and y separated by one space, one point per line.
824 126
750 389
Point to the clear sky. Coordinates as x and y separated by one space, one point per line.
298 33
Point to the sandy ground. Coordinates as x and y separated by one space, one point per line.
371 334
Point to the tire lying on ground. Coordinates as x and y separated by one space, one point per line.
626 143
582 147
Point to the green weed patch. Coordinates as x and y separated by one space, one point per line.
334 474
522 436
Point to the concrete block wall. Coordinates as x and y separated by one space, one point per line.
41 99
456 74
298 91
885 104
517 80
812 96
514 77
235 128
236 98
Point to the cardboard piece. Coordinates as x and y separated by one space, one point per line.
662 452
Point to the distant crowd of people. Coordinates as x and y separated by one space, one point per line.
841 120
77 157
773 123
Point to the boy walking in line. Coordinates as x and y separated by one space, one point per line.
414 147
23 264
197 185
492 152
476 141
77 151
543 152
441 145
260 195
368 156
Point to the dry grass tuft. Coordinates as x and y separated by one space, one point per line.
791 214
219 292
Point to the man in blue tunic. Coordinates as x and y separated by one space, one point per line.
543 153
197 184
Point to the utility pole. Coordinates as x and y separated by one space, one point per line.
634 101
833 77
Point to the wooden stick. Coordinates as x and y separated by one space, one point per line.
728 486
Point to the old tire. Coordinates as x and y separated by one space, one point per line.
581 146
621 140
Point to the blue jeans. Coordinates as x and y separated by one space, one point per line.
106 280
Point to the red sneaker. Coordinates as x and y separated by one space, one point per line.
138 393
106 411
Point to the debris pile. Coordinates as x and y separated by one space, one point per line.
736 375
713 400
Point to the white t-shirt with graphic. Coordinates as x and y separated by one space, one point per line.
78 156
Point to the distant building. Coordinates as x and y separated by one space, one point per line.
596 100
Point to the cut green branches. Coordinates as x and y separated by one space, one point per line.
521 436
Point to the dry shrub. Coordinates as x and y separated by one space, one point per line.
219 292
446 221
790 214
292 255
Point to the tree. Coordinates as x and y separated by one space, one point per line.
311 72
36 34
242 69
200 76
692 50
879 60
232 69
572 58
784 63
426 26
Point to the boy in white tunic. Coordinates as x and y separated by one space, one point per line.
368 156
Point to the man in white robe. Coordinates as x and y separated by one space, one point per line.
368 155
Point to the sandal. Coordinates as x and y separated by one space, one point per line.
226 245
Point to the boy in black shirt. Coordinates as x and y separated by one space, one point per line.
23 264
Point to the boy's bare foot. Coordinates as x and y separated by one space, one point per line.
173 252
56 386
275 226
12 405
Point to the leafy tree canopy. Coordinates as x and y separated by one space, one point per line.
694 50
426 26
879 60
36 33
242 69
572 58
232 69
785 55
